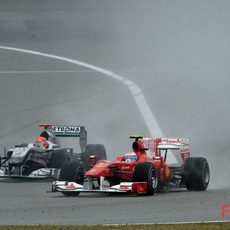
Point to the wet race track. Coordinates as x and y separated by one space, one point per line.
174 56
28 203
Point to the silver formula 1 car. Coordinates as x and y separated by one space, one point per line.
45 157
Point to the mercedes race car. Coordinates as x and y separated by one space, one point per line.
144 170
45 157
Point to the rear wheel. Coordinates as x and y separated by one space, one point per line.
146 172
196 174
72 172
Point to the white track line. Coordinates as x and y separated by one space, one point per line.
45 71
142 104
173 223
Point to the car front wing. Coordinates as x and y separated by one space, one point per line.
123 187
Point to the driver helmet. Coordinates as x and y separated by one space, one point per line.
130 157
41 142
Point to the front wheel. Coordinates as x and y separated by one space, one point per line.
146 172
72 172
58 158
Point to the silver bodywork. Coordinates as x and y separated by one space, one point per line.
18 155
13 163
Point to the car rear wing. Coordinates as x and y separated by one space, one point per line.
173 143
154 145
68 131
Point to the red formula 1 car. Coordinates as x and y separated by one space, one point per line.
144 170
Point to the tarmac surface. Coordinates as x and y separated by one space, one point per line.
27 203
177 53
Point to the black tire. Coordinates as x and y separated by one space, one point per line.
72 172
93 149
146 172
58 158
196 174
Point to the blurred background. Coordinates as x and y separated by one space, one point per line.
177 52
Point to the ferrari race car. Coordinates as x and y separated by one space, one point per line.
45 157
144 170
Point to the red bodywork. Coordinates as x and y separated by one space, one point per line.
147 150
133 173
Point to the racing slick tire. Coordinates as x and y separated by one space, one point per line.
93 149
58 158
146 172
196 174
72 172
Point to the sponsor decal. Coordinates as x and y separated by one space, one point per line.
71 187
225 210
125 167
124 188
100 165
128 184
171 141
66 130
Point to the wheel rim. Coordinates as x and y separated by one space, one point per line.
154 179
206 174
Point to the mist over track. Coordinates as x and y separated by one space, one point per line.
177 53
